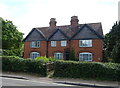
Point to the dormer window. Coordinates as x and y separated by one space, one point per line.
35 44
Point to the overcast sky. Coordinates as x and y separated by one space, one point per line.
27 14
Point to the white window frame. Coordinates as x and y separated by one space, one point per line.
58 55
53 43
33 55
64 43
81 56
85 43
35 44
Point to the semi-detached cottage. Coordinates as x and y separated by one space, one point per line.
56 41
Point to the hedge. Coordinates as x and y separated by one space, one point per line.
89 70
16 64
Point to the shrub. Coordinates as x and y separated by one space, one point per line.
72 55
10 63
94 70
45 59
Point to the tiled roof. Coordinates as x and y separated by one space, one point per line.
68 30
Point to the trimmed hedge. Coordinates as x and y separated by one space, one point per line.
94 70
16 64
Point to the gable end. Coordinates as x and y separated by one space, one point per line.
86 32
58 35
34 35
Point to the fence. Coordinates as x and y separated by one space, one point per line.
50 66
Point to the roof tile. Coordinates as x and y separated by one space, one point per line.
69 30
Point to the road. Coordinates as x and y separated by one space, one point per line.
21 82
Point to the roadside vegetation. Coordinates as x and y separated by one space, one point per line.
63 69
16 64
87 70
112 44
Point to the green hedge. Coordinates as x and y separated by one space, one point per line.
16 64
94 70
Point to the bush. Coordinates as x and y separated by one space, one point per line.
11 63
44 59
94 70
72 55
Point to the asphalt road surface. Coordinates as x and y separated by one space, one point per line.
33 84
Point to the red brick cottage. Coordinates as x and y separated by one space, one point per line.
56 41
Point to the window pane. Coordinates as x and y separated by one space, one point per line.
85 43
63 43
58 56
33 55
85 56
81 43
35 44
81 57
53 43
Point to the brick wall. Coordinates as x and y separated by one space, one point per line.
58 48
96 49
28 50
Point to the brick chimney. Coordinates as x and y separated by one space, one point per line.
52 22
74 21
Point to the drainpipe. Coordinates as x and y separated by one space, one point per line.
69 44
47 49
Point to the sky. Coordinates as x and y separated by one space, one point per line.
27 14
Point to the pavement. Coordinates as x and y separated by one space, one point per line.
68 81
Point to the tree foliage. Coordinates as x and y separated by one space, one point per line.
115 54
112 43
72 55
11 38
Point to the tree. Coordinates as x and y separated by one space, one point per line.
115 54
11 38
112 42
72 55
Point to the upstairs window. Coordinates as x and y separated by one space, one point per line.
63 43
85 43
35 44
85 56
33 55
58 55
53 43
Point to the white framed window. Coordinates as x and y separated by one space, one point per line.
33 55
63 43
53 43
58 55
85 43
35 44
85 56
